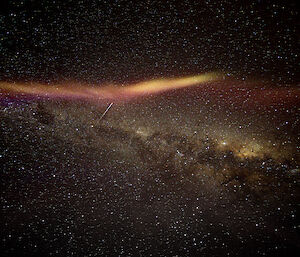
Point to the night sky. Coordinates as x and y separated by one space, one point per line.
149 128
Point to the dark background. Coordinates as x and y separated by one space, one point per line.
121 41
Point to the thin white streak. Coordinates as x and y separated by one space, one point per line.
107 109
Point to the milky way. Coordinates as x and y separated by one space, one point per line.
146 175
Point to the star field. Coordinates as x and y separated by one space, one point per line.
126 40
152 128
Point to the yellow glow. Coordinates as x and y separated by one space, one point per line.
160 85
251 150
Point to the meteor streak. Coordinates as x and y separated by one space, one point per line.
107 109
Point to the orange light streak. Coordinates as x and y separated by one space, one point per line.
110 93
